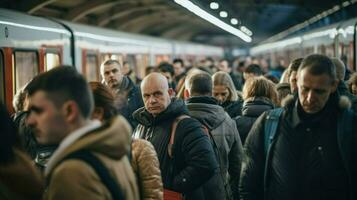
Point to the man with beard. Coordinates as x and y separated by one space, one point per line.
127 94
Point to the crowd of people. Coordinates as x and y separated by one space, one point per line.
213 132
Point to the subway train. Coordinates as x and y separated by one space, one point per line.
30 45
336 40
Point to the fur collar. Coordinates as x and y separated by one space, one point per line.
343 102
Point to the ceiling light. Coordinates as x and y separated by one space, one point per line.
234 21
214 5
223 14
212 19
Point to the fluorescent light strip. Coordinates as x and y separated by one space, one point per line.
210 18
39 28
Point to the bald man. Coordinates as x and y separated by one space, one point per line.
190 161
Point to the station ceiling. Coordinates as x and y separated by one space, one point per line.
165 18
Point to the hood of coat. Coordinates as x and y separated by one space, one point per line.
112 139
254 107
210 114
176 108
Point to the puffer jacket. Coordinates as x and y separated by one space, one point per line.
20 180
252 109
281 174
147 169
75 179
193 161
226 136
233 108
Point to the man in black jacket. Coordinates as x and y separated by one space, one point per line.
313 154
128 97
205 108
193 161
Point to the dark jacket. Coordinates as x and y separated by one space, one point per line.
226 136
308 159
252 109
193 161
129 99
233 108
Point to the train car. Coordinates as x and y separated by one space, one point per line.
30 45
336 40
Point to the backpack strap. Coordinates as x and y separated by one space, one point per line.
101 170
270 127
173 133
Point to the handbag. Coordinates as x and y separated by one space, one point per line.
172 195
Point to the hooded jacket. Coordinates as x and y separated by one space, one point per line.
225 134
309 158
75 179
252 109
193 161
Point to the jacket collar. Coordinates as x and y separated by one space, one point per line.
202 99
69 140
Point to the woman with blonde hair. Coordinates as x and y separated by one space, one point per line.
259 95
226 94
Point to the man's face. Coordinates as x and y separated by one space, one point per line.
221 93
223 66
178 68
292 81
112 75
46 119
168 76
156 98
126 69
314 90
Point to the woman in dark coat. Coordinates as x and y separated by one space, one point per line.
226 94
259 95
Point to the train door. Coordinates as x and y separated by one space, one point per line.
90 65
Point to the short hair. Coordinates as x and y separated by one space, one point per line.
254 69
200 84
260 87
149 69
294 65
64 83
228 62
109 62
104 98
317 64
178 60
283 90
166 67
340 68
223 78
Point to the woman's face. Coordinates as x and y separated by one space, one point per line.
221 93
354 89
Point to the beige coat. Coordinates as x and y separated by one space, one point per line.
74 179
147 169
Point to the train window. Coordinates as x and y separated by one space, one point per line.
26 67
92 72
52 60
2 77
